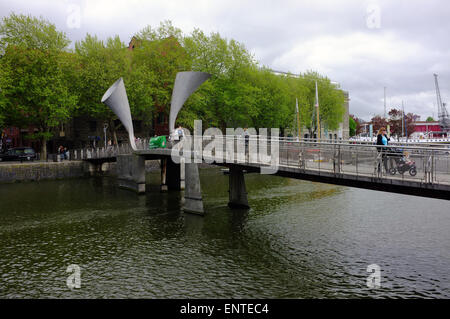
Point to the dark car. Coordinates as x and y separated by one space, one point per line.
18 154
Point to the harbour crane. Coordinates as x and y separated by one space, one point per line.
444 120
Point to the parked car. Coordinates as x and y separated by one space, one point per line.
18 154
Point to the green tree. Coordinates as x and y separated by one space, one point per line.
148 71
31 32
331 102
164 31
272 105
34 82
358 124
101 65
2 110
100 68
352 126
158 56
228 95
430 119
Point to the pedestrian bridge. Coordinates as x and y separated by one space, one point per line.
333 162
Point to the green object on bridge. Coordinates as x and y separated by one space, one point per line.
158 142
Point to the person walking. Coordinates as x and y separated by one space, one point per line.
382 143
61 153
246 136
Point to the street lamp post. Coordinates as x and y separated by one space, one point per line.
105 127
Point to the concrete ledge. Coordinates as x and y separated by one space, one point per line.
36 171
11 172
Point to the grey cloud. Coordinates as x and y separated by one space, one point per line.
273 29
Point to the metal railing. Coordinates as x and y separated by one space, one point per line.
401 161
406 162
106 152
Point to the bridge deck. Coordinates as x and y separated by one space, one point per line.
341 164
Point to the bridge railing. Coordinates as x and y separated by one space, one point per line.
404 162
397 162
91 153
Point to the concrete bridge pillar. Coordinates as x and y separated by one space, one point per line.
92 168
173 175
237 191
89 168
170 175
131 172
193 202
182 172
164 187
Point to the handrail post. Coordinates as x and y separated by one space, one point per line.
433 167
378 164
339 156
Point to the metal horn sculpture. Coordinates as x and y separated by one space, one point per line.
185 84
116 98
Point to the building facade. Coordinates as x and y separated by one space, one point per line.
425 129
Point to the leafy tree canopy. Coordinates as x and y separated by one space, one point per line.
31 32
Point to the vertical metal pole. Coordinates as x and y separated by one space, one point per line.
105 127
298 119
403 119
339 159
433 167
317 109
319 156
286 153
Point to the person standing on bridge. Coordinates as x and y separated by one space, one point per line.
382 141
246 137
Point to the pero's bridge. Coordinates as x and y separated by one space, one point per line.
362 166
340 163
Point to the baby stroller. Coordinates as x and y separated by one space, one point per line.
402 163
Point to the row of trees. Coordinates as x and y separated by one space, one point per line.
44 84
395 122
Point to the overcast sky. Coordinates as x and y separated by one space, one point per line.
363 45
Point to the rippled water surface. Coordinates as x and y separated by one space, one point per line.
298 240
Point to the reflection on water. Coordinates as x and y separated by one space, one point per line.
298 240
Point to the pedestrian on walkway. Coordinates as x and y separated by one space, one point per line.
246 136
382 142
60 152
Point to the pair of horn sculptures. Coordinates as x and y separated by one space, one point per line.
185 84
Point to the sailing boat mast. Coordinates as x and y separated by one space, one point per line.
317 112
298 118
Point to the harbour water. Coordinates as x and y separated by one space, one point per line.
299 240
